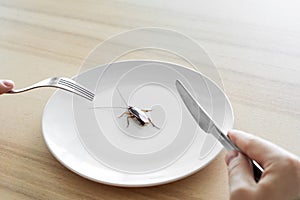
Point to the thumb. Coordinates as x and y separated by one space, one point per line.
5 86
239 171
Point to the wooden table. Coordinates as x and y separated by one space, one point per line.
255 46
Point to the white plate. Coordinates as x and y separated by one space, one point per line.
98 145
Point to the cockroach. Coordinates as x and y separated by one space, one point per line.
136 113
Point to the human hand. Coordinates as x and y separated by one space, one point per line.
6 85
280 179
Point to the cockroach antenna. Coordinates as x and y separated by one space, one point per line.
116 106
107 107
121 96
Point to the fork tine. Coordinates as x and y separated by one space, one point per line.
77 88
76 92
82 92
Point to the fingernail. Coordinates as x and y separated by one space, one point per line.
231 132
8 83
230 155
228 135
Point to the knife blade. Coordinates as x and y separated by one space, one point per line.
208 125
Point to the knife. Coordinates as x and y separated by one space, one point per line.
208 125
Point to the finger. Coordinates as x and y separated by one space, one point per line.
239 171
256 148
6 85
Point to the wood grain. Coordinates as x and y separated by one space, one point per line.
255 46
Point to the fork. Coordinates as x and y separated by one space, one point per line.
61 83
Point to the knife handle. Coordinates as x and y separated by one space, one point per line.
257 170
229 146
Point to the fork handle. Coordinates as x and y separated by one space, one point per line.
16 91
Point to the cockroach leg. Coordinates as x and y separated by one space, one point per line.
124 113
129 116
144 110
153 124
